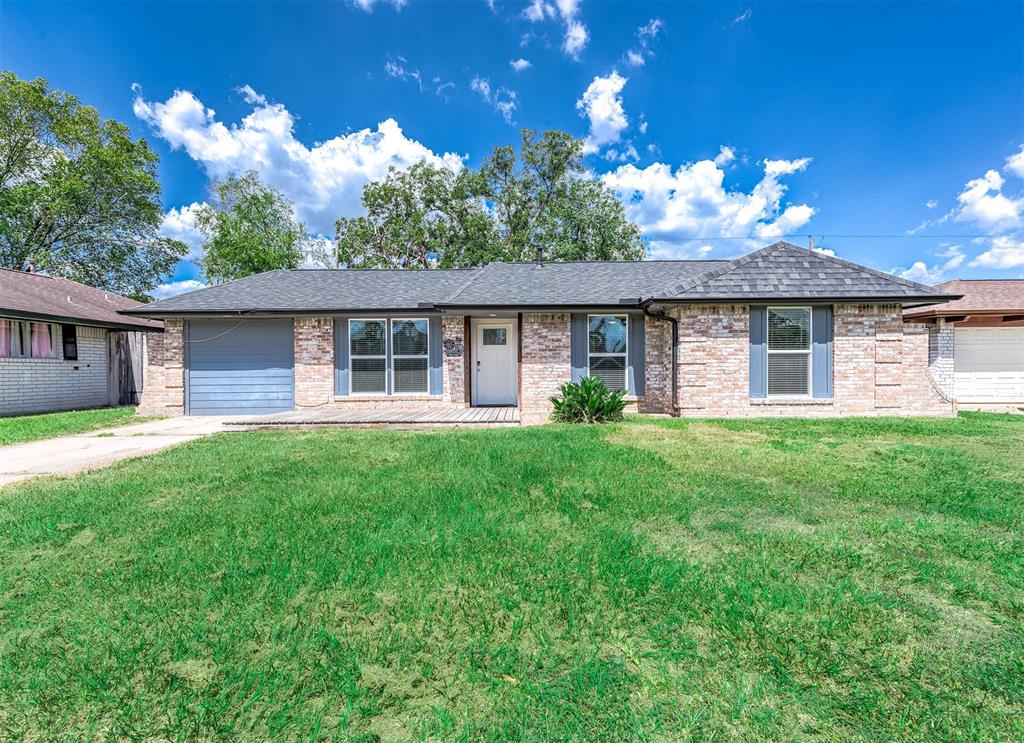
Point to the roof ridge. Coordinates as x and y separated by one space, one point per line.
478 273
731 265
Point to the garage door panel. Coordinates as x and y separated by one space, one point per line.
989 364
240 367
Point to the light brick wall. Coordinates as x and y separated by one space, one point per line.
657 397
314 361
879 366
39 385
164 392
546 363
453 340
941 348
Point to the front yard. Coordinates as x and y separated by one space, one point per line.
833 580
22 428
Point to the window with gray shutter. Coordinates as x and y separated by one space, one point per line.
607 345
789 351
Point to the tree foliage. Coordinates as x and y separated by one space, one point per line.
429 216
78 196
249 228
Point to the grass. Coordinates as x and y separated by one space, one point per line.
22 428
857 580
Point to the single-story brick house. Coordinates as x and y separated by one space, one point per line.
781 331
64 345
977 341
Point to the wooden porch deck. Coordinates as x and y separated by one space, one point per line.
491 416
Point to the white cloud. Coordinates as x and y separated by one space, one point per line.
931 203
1005 252
825 251
324 181
742 17
397 68
982 203
725 156
602 105
576 34
179 223
174 288
505 101
643 127
368 5
520 64
692 202
921 272
646 34
1015 163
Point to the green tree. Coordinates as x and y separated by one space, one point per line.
540 196
78 196
250 228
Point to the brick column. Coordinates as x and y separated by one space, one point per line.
546 364
657 397
888 357
453 329
163 391
314 361
940 354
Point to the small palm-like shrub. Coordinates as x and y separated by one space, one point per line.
588 401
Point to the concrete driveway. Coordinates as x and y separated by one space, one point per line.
70 454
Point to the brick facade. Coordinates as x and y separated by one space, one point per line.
657 397
941 346
546 362
164 392
314 361
453 340
39 385
880 366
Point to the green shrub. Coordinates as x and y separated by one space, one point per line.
588 401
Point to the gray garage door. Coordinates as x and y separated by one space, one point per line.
240 367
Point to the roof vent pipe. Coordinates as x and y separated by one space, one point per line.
31 267
540 255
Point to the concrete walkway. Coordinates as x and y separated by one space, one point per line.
70 454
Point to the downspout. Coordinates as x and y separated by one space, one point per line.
675 347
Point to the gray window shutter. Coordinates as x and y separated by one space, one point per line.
635 379
436 378
578 343
821 351
341 356
758 351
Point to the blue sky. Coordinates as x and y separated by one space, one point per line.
713 120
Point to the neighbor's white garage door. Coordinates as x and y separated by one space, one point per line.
989 364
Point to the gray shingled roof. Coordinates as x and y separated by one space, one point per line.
778 272
785 271
574 284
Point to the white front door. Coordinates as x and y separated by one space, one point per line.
494 362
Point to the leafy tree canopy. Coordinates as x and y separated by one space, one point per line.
429 216
249 228
78 196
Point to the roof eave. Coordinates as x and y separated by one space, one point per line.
83 321
917 300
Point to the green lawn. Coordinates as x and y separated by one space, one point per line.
654 580
48 425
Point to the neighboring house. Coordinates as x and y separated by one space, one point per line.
977 342
64 346
781 331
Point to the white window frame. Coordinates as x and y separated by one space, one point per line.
809 353
22 330
394 356
351 356
624 354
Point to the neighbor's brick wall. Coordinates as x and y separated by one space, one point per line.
879 365
39 385
657 397
546 362
164 391
314 361
941 339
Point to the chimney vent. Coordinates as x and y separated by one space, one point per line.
31 267
540 255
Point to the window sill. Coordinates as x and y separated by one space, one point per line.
389 398
768 401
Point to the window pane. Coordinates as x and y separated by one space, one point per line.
410 375
368 375
787 373
494 336
789 329
609 369
42 341
608 334
367 337
409 337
